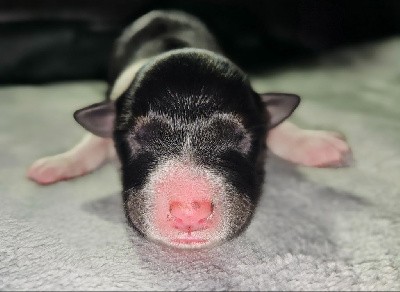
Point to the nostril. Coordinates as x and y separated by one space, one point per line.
194 212
196 205
202 221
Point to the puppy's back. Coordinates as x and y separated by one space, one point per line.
157 32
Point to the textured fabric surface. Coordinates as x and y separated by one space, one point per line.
314 229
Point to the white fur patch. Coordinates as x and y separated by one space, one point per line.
125 79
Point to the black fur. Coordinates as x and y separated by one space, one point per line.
156 32
186 92
188 85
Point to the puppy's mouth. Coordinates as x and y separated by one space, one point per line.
189 241
178 237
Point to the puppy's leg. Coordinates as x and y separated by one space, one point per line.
88 155
309 147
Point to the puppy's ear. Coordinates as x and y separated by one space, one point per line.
97 118
279 106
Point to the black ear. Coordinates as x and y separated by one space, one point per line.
279 106
97 118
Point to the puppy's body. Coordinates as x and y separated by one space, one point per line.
151 35
189 132
183 111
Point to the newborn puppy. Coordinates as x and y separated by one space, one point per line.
190 134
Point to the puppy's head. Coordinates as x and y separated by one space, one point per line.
190 134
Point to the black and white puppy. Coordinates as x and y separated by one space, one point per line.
190 134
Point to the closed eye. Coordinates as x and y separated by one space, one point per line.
227 134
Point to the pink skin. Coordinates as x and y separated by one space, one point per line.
190 216
309 147
83 158
183 209
300 146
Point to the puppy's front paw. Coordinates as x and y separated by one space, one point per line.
52 169
322 149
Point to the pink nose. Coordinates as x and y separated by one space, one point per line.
190 216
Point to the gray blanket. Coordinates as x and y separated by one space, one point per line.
333 229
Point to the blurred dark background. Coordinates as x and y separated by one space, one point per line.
54 40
